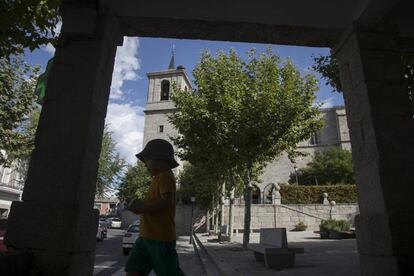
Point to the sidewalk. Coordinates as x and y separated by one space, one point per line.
189 261
322 257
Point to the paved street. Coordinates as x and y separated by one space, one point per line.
109 259
321 258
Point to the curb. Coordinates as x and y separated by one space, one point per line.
207 263
212 266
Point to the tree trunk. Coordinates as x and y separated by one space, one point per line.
231 205
247 206
213 209
208 221
216 221
231 214
223 190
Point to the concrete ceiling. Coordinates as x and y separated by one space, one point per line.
294 22
325 14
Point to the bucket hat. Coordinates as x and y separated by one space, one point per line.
158 149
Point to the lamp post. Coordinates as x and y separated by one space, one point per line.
296 174
193 199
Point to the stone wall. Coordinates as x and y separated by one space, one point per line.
271 215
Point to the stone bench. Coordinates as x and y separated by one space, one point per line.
273 249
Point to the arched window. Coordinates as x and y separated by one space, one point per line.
268 192
165 90
256 195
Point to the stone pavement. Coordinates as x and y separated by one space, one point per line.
322 257
109 259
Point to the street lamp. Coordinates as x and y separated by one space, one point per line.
193 199
296 174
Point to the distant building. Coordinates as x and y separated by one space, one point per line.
335 132
11 185
107 206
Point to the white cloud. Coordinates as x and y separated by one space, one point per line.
49 48
126 66
126 121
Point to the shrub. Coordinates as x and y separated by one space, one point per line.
332 224
331 166
300 227
298 194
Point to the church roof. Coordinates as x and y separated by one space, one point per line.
172 61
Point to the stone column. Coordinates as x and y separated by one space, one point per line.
56 220
276 197
382 136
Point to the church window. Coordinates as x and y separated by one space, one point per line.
314 139
165 90
256 195
161 128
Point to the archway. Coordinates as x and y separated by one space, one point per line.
165 90
268 193
63 167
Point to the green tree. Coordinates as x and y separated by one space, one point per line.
243 114
17 100
26 24
200 182
111 166
328 67
333 166
135 183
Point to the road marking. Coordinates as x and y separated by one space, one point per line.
102 266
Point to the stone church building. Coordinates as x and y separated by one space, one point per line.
334 133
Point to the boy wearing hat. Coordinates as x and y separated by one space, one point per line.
155 248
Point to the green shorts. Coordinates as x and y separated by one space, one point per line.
147 255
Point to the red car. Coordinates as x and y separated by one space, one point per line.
3 223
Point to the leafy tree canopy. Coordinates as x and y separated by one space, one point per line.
17 100
199 182
111 166
333 166
244 113
328 67
26 24
135 183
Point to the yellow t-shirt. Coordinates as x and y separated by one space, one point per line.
160 225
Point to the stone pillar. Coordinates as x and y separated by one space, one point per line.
56 220
382 136
325 199
276 197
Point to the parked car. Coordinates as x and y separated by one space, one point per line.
116 223
129 238
105 221
101 233
3 223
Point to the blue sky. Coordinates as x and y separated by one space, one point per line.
138 56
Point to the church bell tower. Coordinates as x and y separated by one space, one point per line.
159 104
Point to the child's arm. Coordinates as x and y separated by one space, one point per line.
139 207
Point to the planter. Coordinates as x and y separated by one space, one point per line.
339 235
336 235
324 234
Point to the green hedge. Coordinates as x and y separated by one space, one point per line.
298 194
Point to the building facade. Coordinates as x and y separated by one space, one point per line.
11 185
334 133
